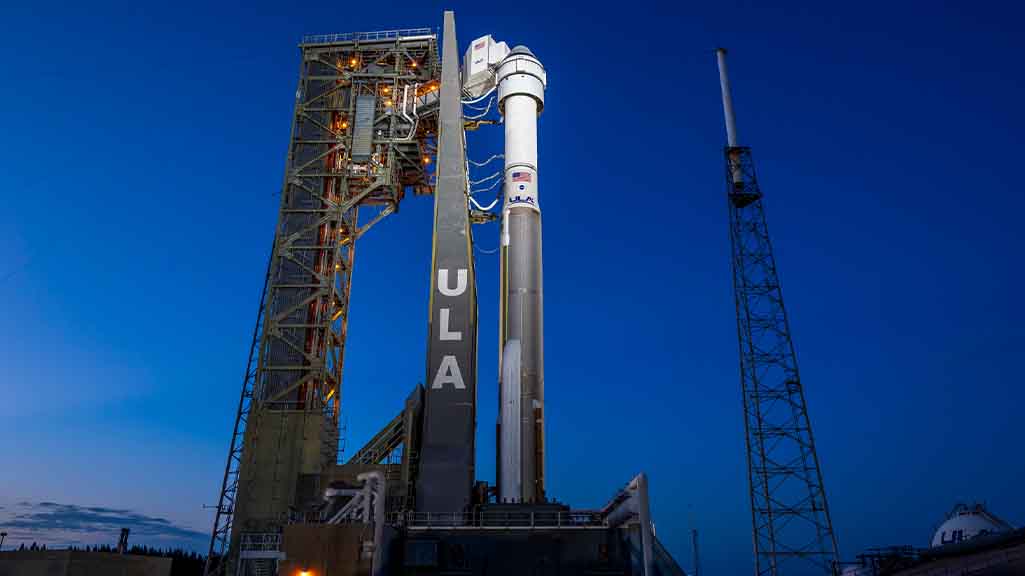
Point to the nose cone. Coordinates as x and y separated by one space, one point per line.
521 49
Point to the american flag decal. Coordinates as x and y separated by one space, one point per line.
521 176
478 45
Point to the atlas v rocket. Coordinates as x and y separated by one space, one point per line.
520 81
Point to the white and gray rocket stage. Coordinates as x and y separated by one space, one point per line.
520 81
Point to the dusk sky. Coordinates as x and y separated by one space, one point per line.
141 153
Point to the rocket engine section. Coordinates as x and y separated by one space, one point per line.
521 82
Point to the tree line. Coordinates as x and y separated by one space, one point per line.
183 562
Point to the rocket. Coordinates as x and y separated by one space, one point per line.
521 82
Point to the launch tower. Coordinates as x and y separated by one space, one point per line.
378 116
363 134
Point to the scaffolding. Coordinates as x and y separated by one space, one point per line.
363 134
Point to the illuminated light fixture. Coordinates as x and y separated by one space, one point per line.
352 62
387 102
336 315
330 394
338 266
345 125
427 159
412 64
387 89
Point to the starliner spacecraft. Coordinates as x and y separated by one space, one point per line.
373 112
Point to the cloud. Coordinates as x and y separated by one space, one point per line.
69 524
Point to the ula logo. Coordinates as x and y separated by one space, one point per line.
523 200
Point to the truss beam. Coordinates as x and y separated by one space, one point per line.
793 533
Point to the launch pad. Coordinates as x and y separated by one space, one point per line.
377 115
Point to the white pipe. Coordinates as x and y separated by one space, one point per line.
374 489
644 513
482 114
629 503
727 98
476 100
332 493
479 207
486 178
486 162
413 120
347 510
405 96
479 190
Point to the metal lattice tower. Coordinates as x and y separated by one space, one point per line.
363 133
793 533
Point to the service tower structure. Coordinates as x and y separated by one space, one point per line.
364 130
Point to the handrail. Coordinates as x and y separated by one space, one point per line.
365 36
500 519
260 541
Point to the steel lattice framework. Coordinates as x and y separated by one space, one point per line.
793 533
363 132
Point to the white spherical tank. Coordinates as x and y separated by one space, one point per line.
967 522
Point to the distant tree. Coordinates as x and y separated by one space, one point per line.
33 546
22 547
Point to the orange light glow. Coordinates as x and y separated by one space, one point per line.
345 125
304 573
386 89
412 64
352 62
387 102
427 159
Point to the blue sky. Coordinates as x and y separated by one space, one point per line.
142 148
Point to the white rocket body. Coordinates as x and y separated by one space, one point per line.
521 83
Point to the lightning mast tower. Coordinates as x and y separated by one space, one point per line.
793 533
